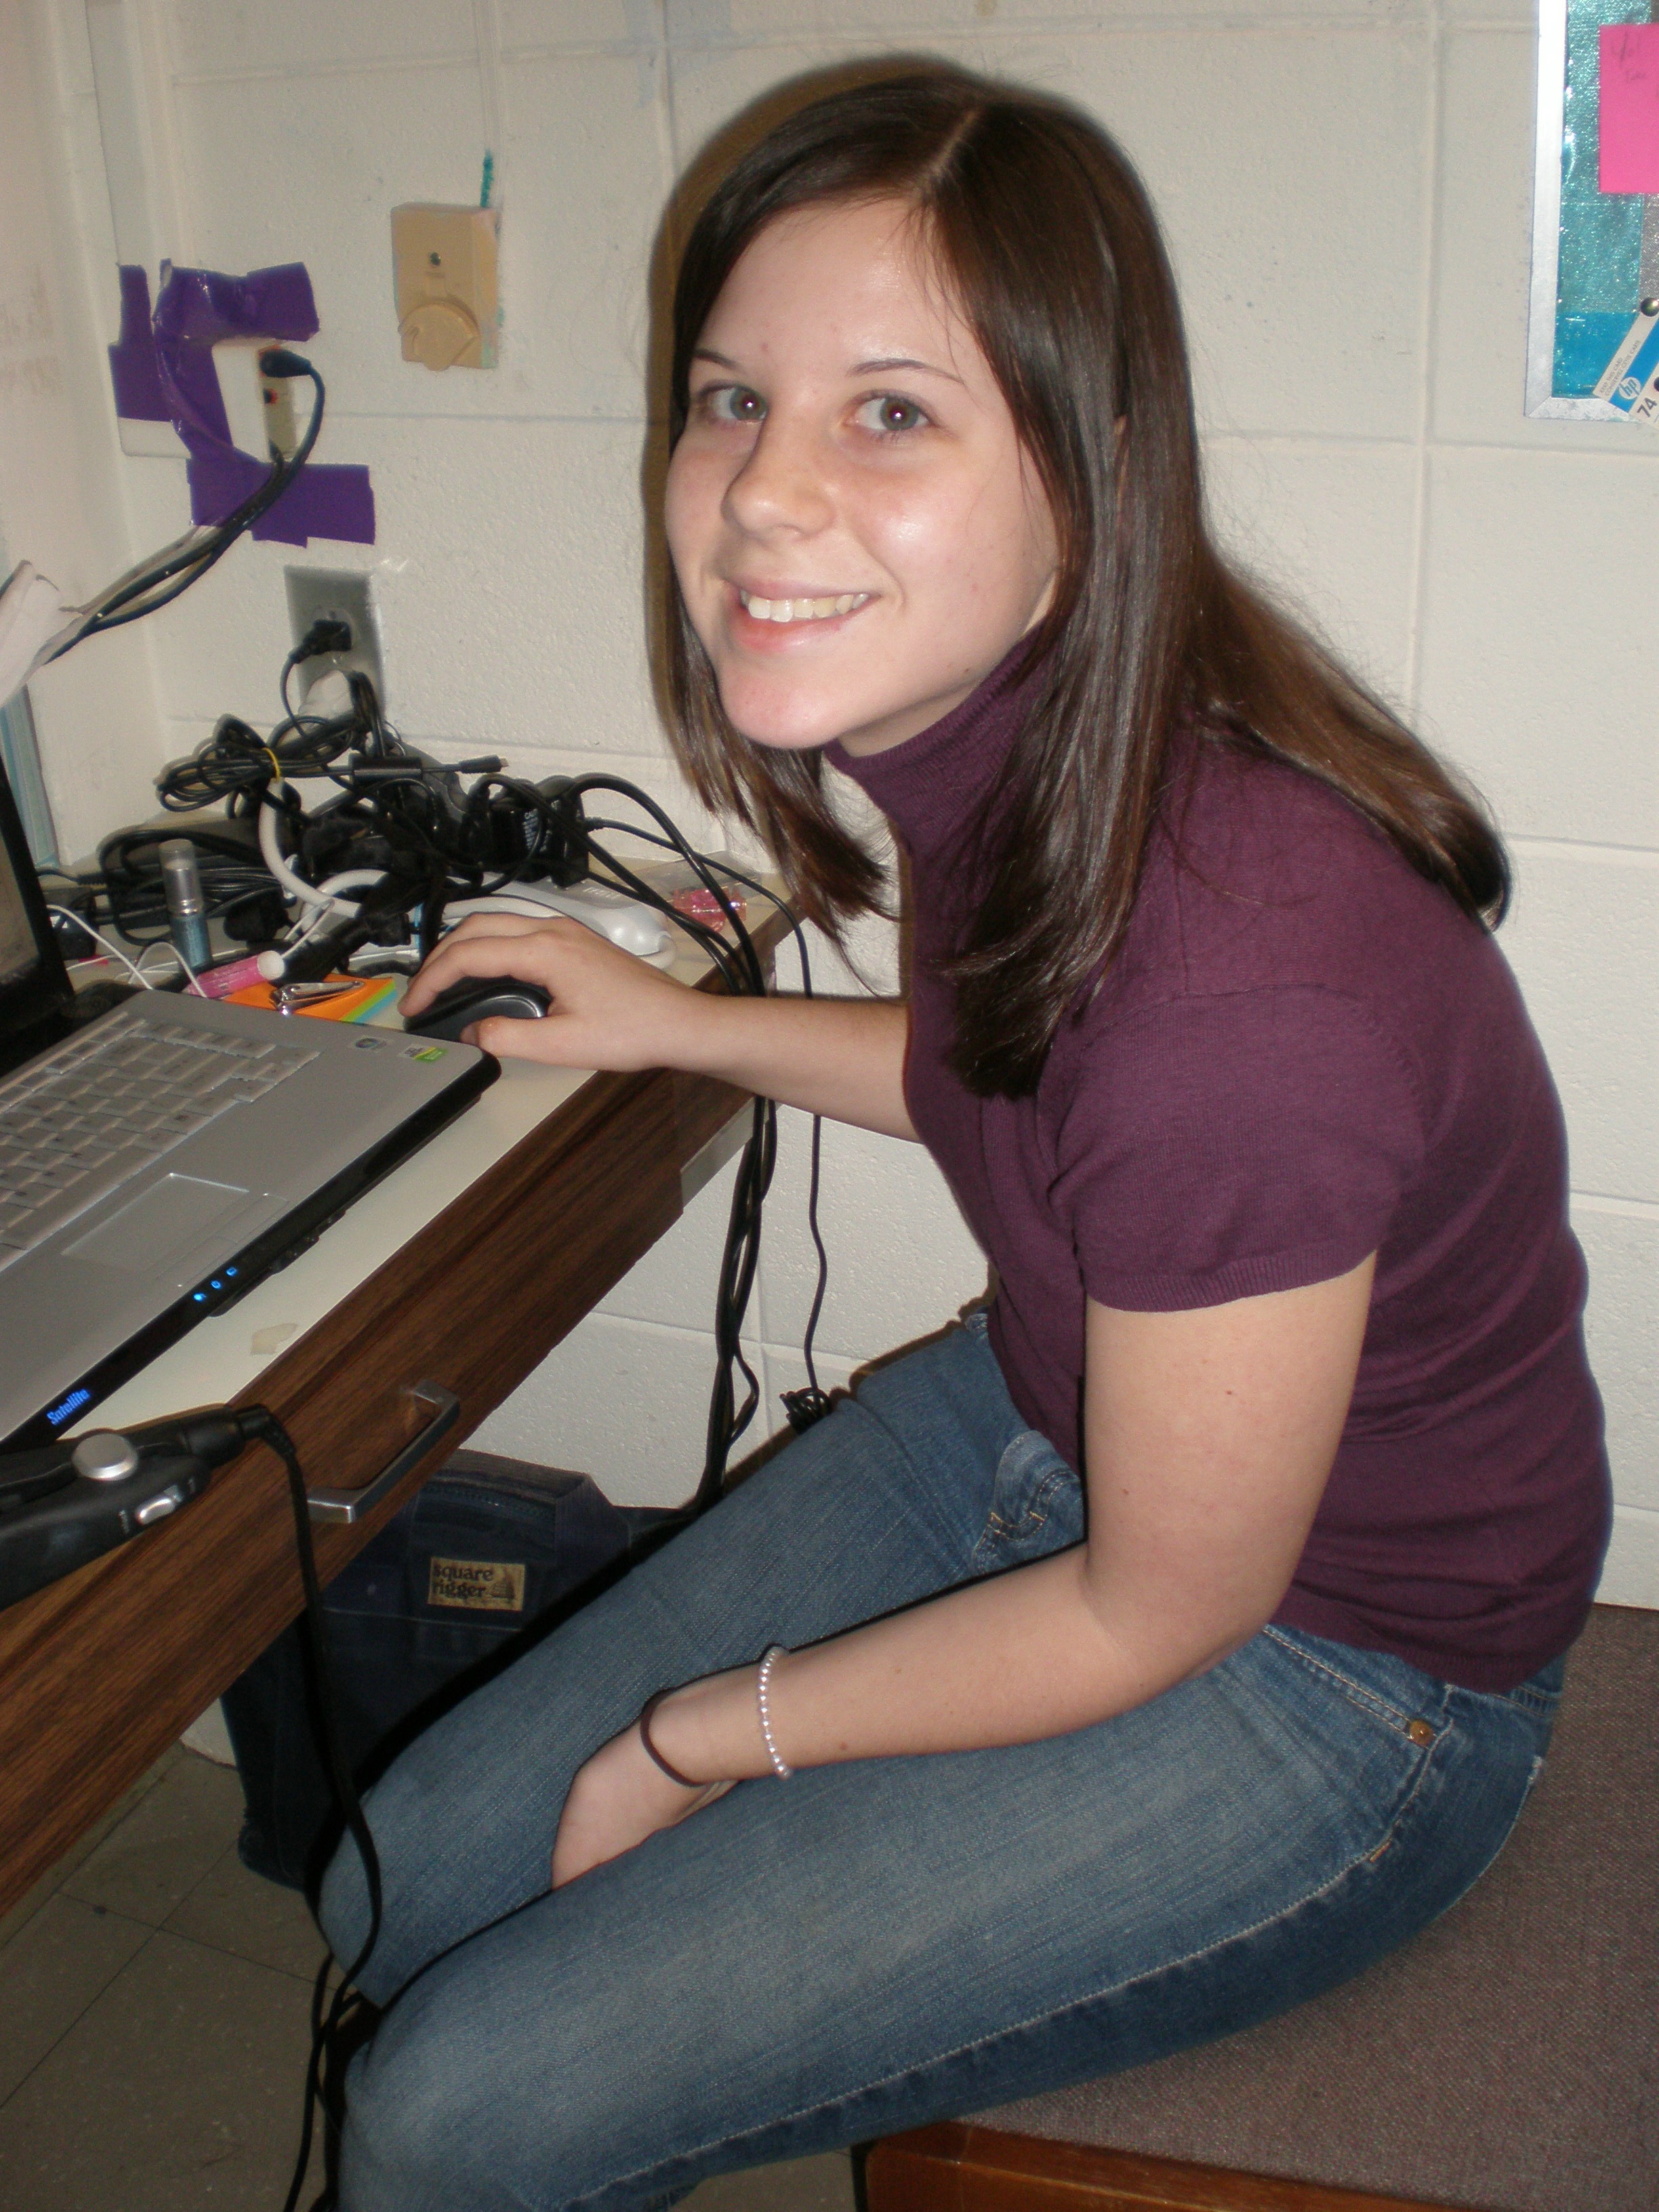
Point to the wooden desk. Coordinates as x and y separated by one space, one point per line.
465 1266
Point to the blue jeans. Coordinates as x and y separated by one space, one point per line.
867 1947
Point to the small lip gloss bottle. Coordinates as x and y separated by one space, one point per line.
186 910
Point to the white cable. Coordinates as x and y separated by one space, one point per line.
307 923
192 984
158 944
317 917
295 885
350 879
273 965
68 914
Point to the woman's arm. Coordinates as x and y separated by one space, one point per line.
1210 1435
840 1057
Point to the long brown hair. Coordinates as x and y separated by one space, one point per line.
1045 235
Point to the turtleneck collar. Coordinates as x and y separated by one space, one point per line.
932 787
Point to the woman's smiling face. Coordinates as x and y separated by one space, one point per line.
858 534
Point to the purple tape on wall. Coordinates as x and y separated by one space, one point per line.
138 381
197 308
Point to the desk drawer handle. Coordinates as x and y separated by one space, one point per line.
352 1504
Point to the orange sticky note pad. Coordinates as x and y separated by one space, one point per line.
1630 107
359 997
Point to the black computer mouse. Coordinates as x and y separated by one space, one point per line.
475 999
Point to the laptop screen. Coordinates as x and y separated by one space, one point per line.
18 951
34 987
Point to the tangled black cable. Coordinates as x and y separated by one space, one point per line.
236 764
434 841
327 2016
805 1407
125 890
744 972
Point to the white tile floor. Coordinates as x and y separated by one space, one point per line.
153 2024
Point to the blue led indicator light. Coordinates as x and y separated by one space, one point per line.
200 1297
233 1271
216 1285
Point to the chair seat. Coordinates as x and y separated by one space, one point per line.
1505 2058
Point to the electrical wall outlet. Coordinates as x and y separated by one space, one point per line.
282 431
344 594
259 409
236 362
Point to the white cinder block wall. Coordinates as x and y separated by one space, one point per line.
1347 190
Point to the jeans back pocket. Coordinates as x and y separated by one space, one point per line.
1036 1507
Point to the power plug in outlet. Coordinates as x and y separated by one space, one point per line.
344 595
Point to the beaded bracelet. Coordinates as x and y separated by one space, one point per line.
781 1766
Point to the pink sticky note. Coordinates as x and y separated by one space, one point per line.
1630 107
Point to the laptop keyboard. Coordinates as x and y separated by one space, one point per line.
79 1121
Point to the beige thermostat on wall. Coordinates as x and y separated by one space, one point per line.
444 260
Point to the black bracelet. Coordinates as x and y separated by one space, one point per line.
651 1750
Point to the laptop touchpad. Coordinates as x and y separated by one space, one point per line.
167 1219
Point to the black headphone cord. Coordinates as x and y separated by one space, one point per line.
327 2016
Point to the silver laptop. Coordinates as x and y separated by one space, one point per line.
156 1162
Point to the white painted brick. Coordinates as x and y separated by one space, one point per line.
1302 292
507 572
99 747
1630 1576
1483 265
902 1261
869 966
1621 1329
1489 13
755 22
1302 295
1329 527
1581 940
587 175
622 1400
709 83
71 46
675 1282
90 223
156 498
1536 662
517 618
786 1370
539 24
346 150
583 174
309 37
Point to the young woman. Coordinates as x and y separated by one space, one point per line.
1176 1636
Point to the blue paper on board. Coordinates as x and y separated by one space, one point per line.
1598 274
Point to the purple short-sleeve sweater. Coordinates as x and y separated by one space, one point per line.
1303 1053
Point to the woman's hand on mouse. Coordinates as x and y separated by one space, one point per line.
606 1010
841 1057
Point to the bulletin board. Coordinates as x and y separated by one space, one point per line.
1593 353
